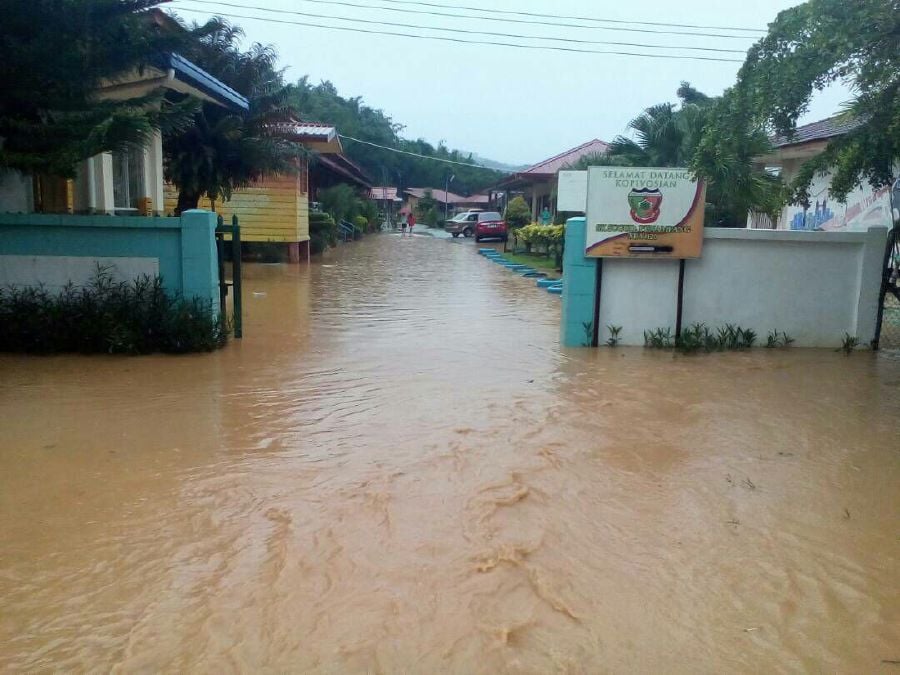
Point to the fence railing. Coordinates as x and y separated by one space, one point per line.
234 231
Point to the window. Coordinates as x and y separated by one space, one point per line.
128 178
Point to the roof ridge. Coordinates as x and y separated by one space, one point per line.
564 153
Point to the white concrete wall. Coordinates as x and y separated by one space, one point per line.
813 285
16 192
53 271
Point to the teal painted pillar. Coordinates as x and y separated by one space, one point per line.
199 259
579 287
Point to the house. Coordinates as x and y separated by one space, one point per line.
119 183
273 212
447 201
388 200
538 183
864 207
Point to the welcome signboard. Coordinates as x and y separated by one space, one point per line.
644 213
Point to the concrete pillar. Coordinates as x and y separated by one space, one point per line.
103 183
153 172
199 258
534 204
93 191
579 287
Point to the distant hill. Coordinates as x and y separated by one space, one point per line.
494 164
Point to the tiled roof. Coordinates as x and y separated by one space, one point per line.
817 131
344 167
554 164
448 197
439 195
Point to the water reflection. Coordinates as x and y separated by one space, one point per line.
398 470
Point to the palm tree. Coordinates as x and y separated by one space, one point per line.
225 150
693 135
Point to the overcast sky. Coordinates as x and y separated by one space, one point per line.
512 105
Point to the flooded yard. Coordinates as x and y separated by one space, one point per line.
398 470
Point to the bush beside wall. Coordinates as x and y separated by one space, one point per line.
107 316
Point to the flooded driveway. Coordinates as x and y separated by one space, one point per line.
399 471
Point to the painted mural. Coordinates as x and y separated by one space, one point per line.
865 207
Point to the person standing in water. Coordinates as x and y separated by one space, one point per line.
411 221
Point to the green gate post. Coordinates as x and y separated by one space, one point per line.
236 277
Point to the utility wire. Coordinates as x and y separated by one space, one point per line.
416 154
472 32
481 43
757 31
357 5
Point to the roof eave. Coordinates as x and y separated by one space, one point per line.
214 90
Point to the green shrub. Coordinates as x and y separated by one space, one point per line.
546 238
323 232
136 317
518 213
432 217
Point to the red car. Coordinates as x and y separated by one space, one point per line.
490 225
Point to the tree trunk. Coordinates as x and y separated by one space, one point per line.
187 201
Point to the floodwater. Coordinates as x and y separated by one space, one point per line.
399 471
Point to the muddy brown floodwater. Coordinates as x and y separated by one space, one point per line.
399 471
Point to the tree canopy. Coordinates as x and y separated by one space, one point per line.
692 134
224 149
56 54
322 103
811 46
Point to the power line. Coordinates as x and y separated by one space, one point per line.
357 5
464 41
416 154
757 31
470 32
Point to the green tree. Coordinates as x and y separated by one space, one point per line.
225 149
56 54
695 134
426 205
341 202
811 46
518 213
353 118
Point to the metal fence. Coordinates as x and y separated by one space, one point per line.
233 231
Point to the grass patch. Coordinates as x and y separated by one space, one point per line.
537 261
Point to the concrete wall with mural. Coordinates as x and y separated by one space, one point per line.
56 249
814 285
865 207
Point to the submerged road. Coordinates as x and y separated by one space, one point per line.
398 470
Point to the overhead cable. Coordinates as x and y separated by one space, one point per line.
360 5
471 32
481 43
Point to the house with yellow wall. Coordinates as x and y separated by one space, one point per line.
273 212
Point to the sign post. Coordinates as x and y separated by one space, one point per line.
644 213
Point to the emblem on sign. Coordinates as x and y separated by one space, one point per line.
645 205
